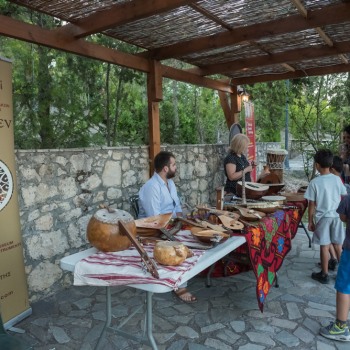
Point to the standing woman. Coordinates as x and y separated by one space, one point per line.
236 163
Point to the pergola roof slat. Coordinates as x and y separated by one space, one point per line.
242 40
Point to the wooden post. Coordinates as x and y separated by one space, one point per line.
154 95
231 109
236 103
225 107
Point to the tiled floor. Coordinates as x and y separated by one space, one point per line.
226 315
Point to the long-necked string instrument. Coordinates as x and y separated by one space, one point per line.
244 199
147 261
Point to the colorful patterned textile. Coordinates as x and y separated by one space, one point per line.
267 245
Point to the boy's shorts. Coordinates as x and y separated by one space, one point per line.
329 230
342 283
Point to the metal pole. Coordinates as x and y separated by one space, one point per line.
286 162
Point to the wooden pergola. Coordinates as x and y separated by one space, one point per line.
222 43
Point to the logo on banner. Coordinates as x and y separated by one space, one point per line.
6 185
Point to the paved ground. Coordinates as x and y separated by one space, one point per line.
226 316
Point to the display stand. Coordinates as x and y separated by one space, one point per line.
8 342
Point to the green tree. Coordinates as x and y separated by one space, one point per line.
315 116
269 106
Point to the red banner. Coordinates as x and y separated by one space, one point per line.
250 132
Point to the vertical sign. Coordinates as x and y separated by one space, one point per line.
250 132
14 304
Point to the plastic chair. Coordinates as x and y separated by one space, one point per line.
134 205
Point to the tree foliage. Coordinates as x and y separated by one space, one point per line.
63 100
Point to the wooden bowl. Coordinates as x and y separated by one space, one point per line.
277 199
253 190
207 236
302 189
274 189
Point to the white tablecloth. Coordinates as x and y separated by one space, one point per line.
125 267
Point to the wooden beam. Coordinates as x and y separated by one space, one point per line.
210 16
324 36
118 15
236 105
344 59
34 34
278 58
333 14
225 107
319 30
289 67
231 105
301 8
335 69
27 32
156 87
195 79
153 122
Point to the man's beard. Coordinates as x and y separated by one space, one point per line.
170 174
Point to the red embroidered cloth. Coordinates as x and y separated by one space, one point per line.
267 245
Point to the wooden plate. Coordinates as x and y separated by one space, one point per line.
268 210
293 197
279 199
148 232
154 222
207 235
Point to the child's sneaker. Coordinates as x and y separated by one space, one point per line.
320 277
332 264
332 331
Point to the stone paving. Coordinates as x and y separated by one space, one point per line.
226 315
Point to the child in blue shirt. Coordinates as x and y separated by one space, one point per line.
339 329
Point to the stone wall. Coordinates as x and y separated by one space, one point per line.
59 190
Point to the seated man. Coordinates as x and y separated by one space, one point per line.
159 196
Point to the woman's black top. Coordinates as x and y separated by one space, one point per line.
241 163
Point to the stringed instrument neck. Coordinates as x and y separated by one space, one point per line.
149 263
244 199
